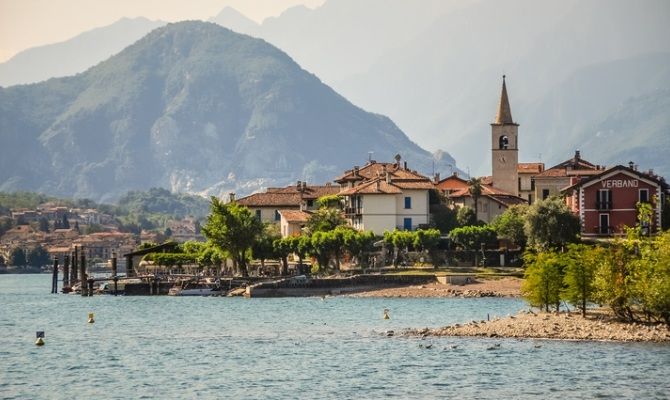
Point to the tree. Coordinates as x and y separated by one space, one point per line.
325 219
17 257
581 265
543 279
443 218
329 201
550 224
262 248
475 188
466 216
322 246
233 228
282 248
300 245
428 240
472 237
359 245
38 257
511 224
167 232
401 241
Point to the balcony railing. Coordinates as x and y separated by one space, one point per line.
353 210
603 205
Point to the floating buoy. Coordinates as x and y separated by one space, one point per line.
39 341
90 318
386 314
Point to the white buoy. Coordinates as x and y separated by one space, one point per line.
91 318
386 314
40 338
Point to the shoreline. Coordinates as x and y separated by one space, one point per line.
502 287
599 325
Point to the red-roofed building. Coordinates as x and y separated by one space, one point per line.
491 203
385 196
550 182
606 201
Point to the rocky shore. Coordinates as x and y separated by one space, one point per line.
505 287
598 325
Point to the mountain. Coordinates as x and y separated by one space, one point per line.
235 21
192 107
74 55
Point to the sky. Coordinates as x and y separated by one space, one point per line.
30 23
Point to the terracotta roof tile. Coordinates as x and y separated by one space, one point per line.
377 186
295 215
529 168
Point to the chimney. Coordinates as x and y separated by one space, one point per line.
231 197
298 185
356 169
577 155
437 177
304 186
405 164
631 164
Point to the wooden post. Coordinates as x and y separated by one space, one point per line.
129 266
75 269
66 271
116 278
82 272
54 277
90 286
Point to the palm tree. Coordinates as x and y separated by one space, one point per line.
475 187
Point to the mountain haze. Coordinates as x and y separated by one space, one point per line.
193 107
74 55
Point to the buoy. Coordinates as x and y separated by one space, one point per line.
386 314
90 318
39 341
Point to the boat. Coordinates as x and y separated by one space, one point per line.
196 289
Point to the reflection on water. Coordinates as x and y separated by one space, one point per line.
166 347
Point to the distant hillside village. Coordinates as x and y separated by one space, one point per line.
381 196
378 197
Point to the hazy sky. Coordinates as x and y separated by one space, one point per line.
30 23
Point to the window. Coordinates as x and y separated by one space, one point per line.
545 193
310 203
604 228
258 214
408 202
532 184
644 195
407 224
503 143
277 216
519 184
530 199
604 199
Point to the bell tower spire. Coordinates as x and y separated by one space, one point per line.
504 145
504 115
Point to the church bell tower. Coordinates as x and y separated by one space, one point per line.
505 150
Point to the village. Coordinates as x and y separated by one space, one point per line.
381 197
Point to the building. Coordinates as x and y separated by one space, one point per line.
505 149
385 196
606 201
292 222
266 206
526 175
491 203
553 180
451 184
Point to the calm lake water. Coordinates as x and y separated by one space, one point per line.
172 347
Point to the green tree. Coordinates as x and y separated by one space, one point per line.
263 247
654 280
322 246
329 201
38 257
543 282
233 228
511 224
428 240
325 219
443 218
282 248
17 257
300 245
581 264
472 237
401 241
475 188
550 224
466 216
360 245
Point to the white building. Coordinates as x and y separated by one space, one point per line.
385 196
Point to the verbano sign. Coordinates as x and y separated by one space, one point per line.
620 183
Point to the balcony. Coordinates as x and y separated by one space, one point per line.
603 205
353 210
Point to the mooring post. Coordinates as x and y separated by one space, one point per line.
90 286
82 272
75 265
66 271
54 276
116 278
129 266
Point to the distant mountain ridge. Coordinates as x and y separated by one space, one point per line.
74 55
193 107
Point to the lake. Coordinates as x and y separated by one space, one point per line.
189 347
